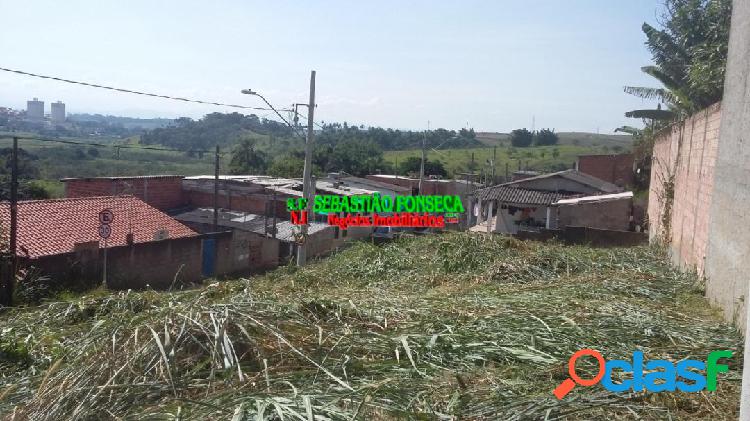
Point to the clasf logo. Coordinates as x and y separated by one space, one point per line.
665 377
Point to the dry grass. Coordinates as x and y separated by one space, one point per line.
458 325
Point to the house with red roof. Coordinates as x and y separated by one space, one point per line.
146 246
60 226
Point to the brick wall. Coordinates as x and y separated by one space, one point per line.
686 155
608 215
163 193
617 169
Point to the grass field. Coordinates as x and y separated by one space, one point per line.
536 158
566 138
454 326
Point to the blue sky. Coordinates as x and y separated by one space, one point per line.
491 65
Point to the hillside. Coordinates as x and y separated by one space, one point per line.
455 325
566 138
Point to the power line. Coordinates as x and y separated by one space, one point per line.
130 91
104 145
300 115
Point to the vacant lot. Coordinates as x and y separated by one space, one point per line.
454 325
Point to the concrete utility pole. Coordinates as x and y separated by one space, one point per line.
308 189
424 154
494 159
10 267
216 190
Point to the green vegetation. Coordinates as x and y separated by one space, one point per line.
247 160
545 137
542 158
48 162
622 142
228 129
223 129
689 52
413 164
455 325
521 138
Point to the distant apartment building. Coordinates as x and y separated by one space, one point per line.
35 109
58 112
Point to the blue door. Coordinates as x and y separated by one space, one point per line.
209 255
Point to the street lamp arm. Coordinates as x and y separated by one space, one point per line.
251 92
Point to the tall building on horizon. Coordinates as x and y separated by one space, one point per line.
35 109
58 112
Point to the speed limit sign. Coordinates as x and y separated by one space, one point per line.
105 231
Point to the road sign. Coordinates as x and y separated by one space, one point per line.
105 231
106 217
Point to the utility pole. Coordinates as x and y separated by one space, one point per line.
10 267
274 214
424 153
307 187
216 190
494 159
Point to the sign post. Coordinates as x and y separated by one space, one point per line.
105 230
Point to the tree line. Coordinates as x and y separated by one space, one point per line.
523 138
227 129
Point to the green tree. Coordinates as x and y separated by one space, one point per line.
246 159
358 157
545 137
412 165
521 138
287 166
689 53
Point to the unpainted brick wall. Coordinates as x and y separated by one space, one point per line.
255 203
608 215
163 193
617 169
685 154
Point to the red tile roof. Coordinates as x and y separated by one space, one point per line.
47 227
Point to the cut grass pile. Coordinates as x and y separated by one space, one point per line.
456 325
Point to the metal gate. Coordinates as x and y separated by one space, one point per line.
209 257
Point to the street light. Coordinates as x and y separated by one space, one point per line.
252 92
308 189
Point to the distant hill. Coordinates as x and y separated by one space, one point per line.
566 138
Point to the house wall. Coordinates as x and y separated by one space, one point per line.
682 185
245 252
617 169
157 264
162 193
609 215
